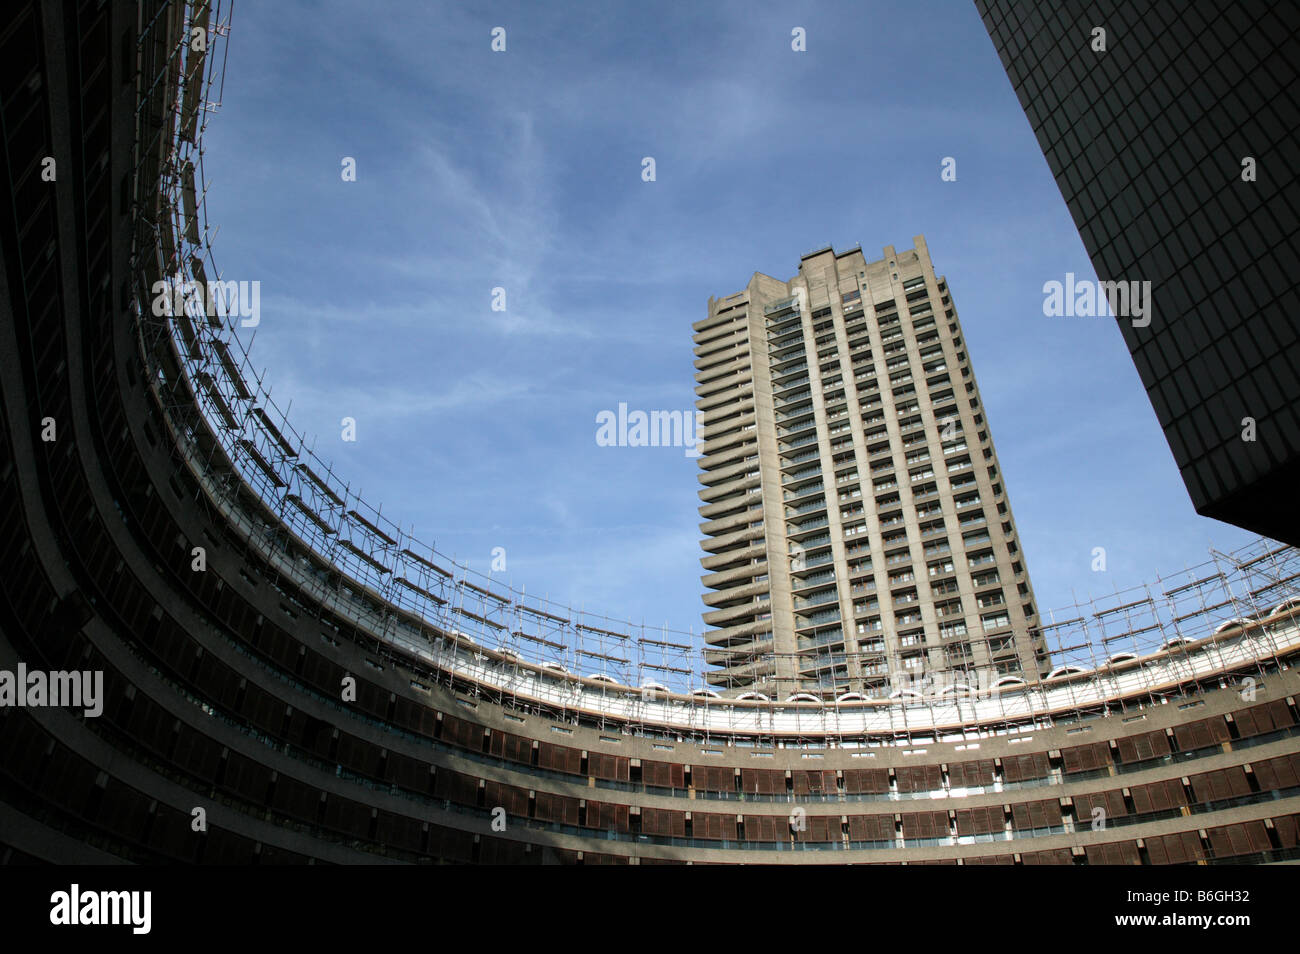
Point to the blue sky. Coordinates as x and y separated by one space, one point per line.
522 170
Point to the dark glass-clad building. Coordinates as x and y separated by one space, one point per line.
1173 138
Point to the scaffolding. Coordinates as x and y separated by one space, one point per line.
1172 614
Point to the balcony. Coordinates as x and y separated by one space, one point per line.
804 491
811 562
788 445
802 474
828 596
810 507
785 385
817 619
806 526
797 459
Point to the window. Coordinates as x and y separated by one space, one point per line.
953 629
1001 644
957 654
940 566
995 621
905 596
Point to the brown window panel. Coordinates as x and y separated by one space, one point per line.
1243 838
1045 813
1279 773
657 821
871 827
1056 856
1147 745
866 781
1085 758
1200 734
1220 784
1288 830
456 787
1111 802
458 732
559 758
557 808
925 824
980 821
762 781
1158 796
813 782
1177 849
513 800
513 747
1115 853
919 778
1263 718
606 817
663 774
971 774
713 778
713 826
820 828
613 767
1016 768
767 828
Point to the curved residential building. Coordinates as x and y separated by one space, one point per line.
263 647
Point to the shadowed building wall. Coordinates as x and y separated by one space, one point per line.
1176 150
